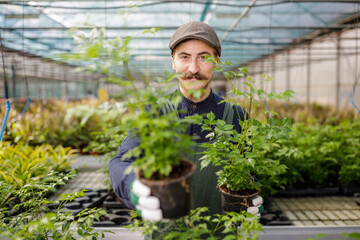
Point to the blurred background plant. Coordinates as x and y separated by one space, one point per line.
24 212
22 163
319 156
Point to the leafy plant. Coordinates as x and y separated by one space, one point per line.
346 236
199 225
242 155
87 121
162 135
320 154
30 218
110 136
314 113
110 57
22 163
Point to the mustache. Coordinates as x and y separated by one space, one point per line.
198 76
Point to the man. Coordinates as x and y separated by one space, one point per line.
189 45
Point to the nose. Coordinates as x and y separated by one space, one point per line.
194 66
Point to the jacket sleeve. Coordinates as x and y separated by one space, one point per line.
117 166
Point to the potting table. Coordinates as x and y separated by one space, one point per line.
320 211
331 215
88 176
301 211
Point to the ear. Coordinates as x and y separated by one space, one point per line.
173 63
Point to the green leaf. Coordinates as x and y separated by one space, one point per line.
355 235
65 226
210 116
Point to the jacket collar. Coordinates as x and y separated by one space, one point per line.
203 103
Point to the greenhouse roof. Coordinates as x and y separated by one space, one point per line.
248 29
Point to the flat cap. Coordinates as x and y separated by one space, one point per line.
195 30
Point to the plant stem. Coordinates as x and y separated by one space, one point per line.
216 228
130 78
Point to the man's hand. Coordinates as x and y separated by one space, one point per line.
147 206
257 207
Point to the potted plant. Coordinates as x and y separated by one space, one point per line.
242 155
159 158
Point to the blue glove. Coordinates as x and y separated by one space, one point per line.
147 206
257 207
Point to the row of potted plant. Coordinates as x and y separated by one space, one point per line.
39 112
313 113
319 156
74 126
79 125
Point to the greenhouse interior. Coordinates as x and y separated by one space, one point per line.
110 129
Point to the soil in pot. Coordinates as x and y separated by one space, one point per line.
236 201
173 191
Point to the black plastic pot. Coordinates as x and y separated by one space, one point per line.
350 188
236 203
175 194
308 191
357 198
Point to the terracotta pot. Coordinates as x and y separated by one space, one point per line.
236 203
175 194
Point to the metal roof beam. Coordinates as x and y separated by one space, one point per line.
247 28
175 1
219 14
315 17
238 19
166 38
183 1
205 10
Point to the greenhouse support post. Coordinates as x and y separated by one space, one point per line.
13 74
288 70
308 78
273 70
262 70
5 118
338 54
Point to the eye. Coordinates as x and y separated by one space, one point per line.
184 57
202 57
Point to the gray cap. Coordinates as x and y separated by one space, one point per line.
195 30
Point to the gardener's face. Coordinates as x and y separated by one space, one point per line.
189 58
